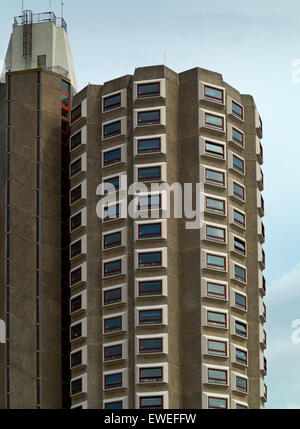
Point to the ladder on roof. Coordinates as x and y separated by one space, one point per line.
27 37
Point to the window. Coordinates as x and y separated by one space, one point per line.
214 121
237 110
112 129
218 348
148 89
112 268
213 94
241 329
214 205
240 273
216 290
217 403
214 177
76 113
237 137
150 259
240 301
242 384
241 356
113 352
112 157
150 345
214 149
76 331
151 375
149 117
112 296
76 276
112 381
76 141
41 61
112 184
239 245
76 303
151 402
216 234
76 167
217 376
150 288
76 359
241 407
112 240
112 102
149 230
216 262
217 319
150 317
113 324
111 212
239 218
65 86
76 194
76 249
117 405
149 174
149 145
238 191
238 164
76 386
75 221
149 202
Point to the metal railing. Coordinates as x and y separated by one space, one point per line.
42 17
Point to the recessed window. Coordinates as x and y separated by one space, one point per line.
149 202
237 137
241 356
218 403
112 240
149 145
75 221
76 303
214 205
149 230
65 87
76 386
76 359
112 296
213 94
241 407
112 184
238 191
76 113
214 121
216 262
151 89
240 301
150 117
113 324
76 249
112 268
150 259
218 348
76 194
41 61
149 174
239 218
112 102
113 352
214 149
216 290
217 319
239 245
214 177
237 110
151 375
151 402
240 273
76 276
65 100
111 212
76 167
242 384
112 381
241 329
215 233
150 345
76 141
217 376
76 331
238 164
112 157
150 317
150 288
117 405
112 129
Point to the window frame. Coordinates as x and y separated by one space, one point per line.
149 281
143 236
215 266
240 306
243 242
152 350
236 331
217 353
110 331
215 238
240 360
117 243
141 123
139 152
119 159
211 181
235 221
112 133
235 167
112 106
216 295
239 387
212 126
111 262
149 253
144 379
212 98
115 385
118 356
216 323
149 94
147 407
234 112
152 321
157 178
236 140
237 276
212 380
219 399
212 209
112 301
241 197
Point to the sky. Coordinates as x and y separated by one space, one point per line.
255 46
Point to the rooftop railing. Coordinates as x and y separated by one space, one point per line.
41 17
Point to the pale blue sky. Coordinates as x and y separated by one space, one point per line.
253 45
